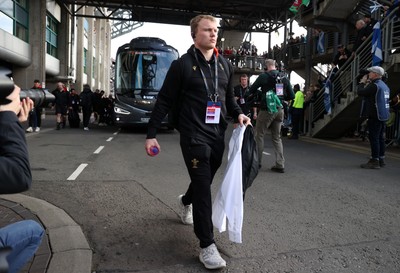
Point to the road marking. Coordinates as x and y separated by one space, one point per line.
77 172
266 153
99 150
109 139
116 133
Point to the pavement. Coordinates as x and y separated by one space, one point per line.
65 247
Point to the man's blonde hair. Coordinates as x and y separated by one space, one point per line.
269 62
194 23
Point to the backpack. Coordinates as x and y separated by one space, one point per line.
275 92
187 68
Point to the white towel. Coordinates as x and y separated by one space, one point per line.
228 204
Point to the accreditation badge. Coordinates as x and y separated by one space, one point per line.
279 89
213 112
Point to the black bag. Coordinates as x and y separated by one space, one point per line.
250 164
73 119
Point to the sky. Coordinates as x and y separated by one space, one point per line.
179 37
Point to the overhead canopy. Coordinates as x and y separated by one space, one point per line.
248 16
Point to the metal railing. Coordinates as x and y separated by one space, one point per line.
345 78
246 62
392 129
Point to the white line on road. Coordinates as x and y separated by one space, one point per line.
266 153
77 172
116 133
109 139
99 150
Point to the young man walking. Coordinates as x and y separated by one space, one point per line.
200 84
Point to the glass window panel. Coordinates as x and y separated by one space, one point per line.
7 6
54 25
22 3
21 16
85 25
53 39
6 23
21 32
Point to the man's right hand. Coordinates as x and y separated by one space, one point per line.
151 142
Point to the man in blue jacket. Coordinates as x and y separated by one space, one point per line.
375 107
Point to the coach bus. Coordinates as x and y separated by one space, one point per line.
140 70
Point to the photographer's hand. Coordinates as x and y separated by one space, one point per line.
21 109
364 79
26 107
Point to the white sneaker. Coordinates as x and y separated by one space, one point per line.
37 129
211 258
86 128
29 130
186 212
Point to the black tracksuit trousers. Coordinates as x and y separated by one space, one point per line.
202 160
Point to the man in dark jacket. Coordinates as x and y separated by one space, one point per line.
375 107
35 116
208 97
21 238
271 117
61 101
362 35
87 99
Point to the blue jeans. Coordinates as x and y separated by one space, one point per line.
376 134
24 237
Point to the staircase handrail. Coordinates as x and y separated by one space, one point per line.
352 67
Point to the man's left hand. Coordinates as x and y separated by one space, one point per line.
244 120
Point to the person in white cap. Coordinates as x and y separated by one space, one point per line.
375 108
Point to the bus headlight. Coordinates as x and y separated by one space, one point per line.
121 111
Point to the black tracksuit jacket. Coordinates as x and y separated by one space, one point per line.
194 98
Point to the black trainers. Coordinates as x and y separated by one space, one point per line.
371 164
278 169
382 162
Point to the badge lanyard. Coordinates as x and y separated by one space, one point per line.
210 95
213 109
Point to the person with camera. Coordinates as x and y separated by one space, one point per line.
375 108
22 238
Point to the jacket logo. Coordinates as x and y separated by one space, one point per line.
195 162
194 68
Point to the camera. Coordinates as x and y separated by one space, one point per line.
364 71
361 74
41 97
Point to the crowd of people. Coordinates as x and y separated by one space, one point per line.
69 105
206 107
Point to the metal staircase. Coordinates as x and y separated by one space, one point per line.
345 103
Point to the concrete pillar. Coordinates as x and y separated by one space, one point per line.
308 58
98 45
25 76
89 69
62 46
107 57
79 36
